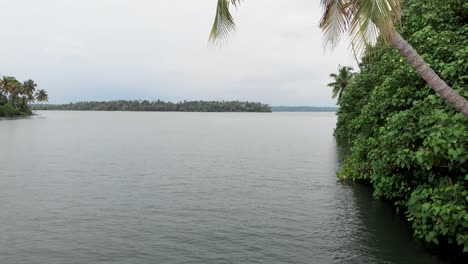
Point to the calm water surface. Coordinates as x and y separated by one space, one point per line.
126 187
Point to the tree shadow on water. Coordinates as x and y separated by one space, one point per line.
379 234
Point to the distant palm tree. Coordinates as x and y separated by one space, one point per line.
3 89
342 80
14 88
364 21
29 87
41 96
9 85
31 98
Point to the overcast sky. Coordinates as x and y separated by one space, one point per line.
155 49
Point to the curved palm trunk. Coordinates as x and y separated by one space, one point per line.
423 69
340 94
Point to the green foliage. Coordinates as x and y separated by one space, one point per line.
9 110
440 211
15 96
405 140
185 106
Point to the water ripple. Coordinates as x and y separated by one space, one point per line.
186 188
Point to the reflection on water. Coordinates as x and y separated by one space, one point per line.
386 233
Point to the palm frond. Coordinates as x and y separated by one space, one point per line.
224 22
363 20
336 91
373 18
334 21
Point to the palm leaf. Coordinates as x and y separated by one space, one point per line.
363 20
334 20
224 22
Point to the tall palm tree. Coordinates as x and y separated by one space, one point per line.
364 21
41 96
341 80
29 87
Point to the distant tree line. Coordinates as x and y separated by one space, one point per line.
145 105
303 109
15 96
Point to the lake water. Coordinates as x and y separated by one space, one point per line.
129 187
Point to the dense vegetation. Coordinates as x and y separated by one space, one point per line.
410 144
15 96
138 105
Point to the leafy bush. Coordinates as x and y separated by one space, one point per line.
8 110
405 140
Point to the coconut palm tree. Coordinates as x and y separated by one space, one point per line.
364 21
29 87
3 89
9 85
41 96
341 80
14 88
31 98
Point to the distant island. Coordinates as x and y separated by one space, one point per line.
158 106
184 106
15 96
303 109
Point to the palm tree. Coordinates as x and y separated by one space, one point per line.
29 87
342 79
41 96
31 98
364 21
9 85
3 89
12 87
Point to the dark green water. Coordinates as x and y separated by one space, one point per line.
120 187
